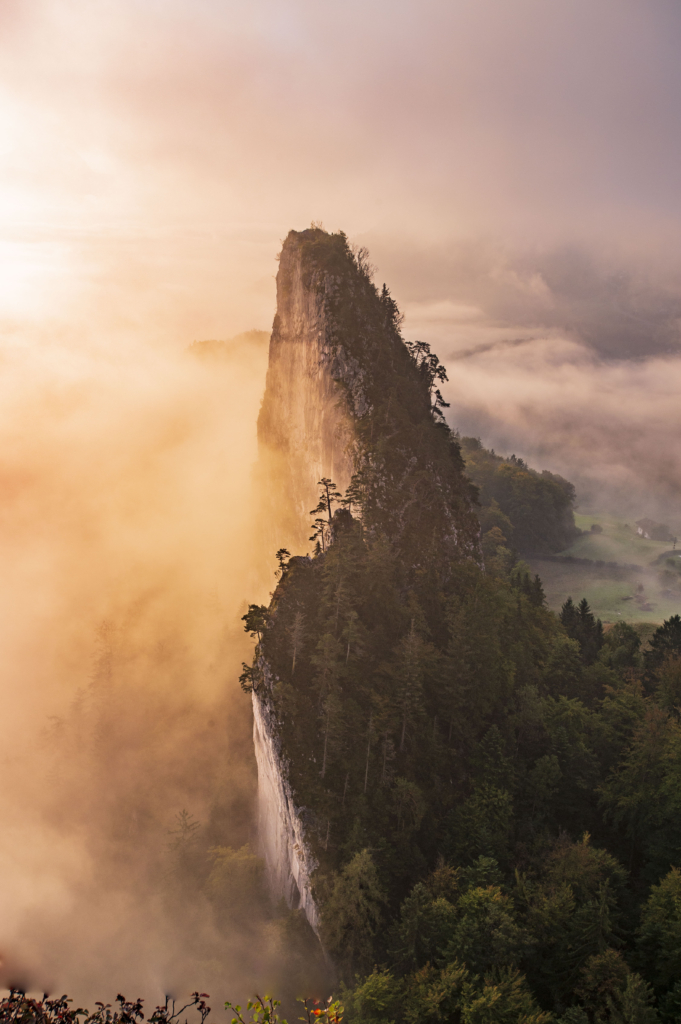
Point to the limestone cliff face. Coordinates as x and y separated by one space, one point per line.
288 861
304 430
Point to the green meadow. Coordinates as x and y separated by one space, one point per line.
643 586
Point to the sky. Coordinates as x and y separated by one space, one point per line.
512 166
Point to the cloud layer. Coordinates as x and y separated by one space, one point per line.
155 154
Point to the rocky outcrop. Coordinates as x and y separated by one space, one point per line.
345 397
288 861
304 430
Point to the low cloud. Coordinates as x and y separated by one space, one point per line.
610 427
129 550
569 359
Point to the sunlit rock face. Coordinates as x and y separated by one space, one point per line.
288 860
304 431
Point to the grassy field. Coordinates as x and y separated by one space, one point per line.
619 542
642 587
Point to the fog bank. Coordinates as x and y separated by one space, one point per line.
128 551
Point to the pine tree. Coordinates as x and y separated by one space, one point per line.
328 497
255 621
282 556
297 634
582 626
665 641
355 495
409 673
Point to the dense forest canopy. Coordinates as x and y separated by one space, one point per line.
492 791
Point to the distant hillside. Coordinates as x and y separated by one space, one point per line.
533 510
623 575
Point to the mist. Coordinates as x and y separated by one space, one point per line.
568 360
129 549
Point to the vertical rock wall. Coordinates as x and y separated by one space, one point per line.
288 861
304 432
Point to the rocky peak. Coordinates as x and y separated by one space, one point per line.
305 428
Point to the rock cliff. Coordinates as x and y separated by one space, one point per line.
288 860
345 398
304 428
